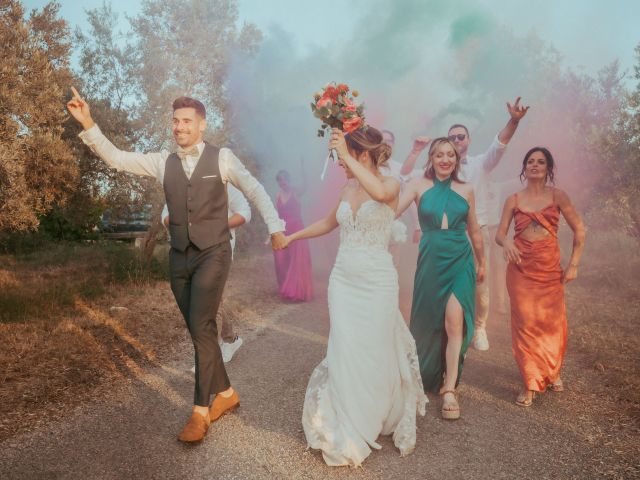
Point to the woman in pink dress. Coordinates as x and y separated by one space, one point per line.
293 264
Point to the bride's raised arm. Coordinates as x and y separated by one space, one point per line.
383 190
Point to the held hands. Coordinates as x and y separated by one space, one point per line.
420 143
79 109
516 111
510 252
337 142
570 273
279 241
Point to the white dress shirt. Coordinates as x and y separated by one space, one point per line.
475 170
153 164
392 169
236 203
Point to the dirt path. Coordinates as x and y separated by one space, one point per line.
131 433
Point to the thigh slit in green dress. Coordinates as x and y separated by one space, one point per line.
445 267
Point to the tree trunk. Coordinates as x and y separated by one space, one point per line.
150 239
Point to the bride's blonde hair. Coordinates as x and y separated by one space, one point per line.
369 140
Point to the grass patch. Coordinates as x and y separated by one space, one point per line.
48 282
126 266
59 337
603 314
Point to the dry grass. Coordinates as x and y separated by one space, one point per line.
605 318
606 334
59 339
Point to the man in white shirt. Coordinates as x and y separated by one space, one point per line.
194 180
239 214
475 170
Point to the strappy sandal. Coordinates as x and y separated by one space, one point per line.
556 386
450 413
523 401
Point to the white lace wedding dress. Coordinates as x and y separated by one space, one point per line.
369 382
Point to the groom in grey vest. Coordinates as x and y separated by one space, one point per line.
194 180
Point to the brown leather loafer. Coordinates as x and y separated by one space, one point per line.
221 405
195 429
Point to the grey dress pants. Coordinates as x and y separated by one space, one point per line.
197 281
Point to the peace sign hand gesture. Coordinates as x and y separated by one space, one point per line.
79 109
516 110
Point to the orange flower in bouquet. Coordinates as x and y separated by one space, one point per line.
336 108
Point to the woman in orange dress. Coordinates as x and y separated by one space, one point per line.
535 279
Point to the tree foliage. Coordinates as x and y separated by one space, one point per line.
619 150
185 48
37 166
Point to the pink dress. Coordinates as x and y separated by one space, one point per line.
293 264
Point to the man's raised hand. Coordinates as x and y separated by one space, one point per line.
516 110
420 143
79 109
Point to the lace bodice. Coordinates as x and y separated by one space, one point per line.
370 226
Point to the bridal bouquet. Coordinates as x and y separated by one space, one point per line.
336 109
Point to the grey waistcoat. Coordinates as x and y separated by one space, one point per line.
197 206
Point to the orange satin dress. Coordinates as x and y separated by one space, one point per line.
538 312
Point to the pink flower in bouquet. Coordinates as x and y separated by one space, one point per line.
342 88
331 92
351 124
349 106
324 102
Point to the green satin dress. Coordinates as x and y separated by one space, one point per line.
445 267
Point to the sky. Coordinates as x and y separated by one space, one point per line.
585 31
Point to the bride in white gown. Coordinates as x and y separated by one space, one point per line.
369 383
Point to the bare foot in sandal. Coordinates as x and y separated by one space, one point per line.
450 408
556 386
525 398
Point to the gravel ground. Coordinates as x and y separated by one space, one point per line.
131 432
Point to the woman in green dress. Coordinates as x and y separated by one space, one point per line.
443 295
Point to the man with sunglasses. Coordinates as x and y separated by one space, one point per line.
475 170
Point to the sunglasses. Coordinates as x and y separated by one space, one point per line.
460 137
